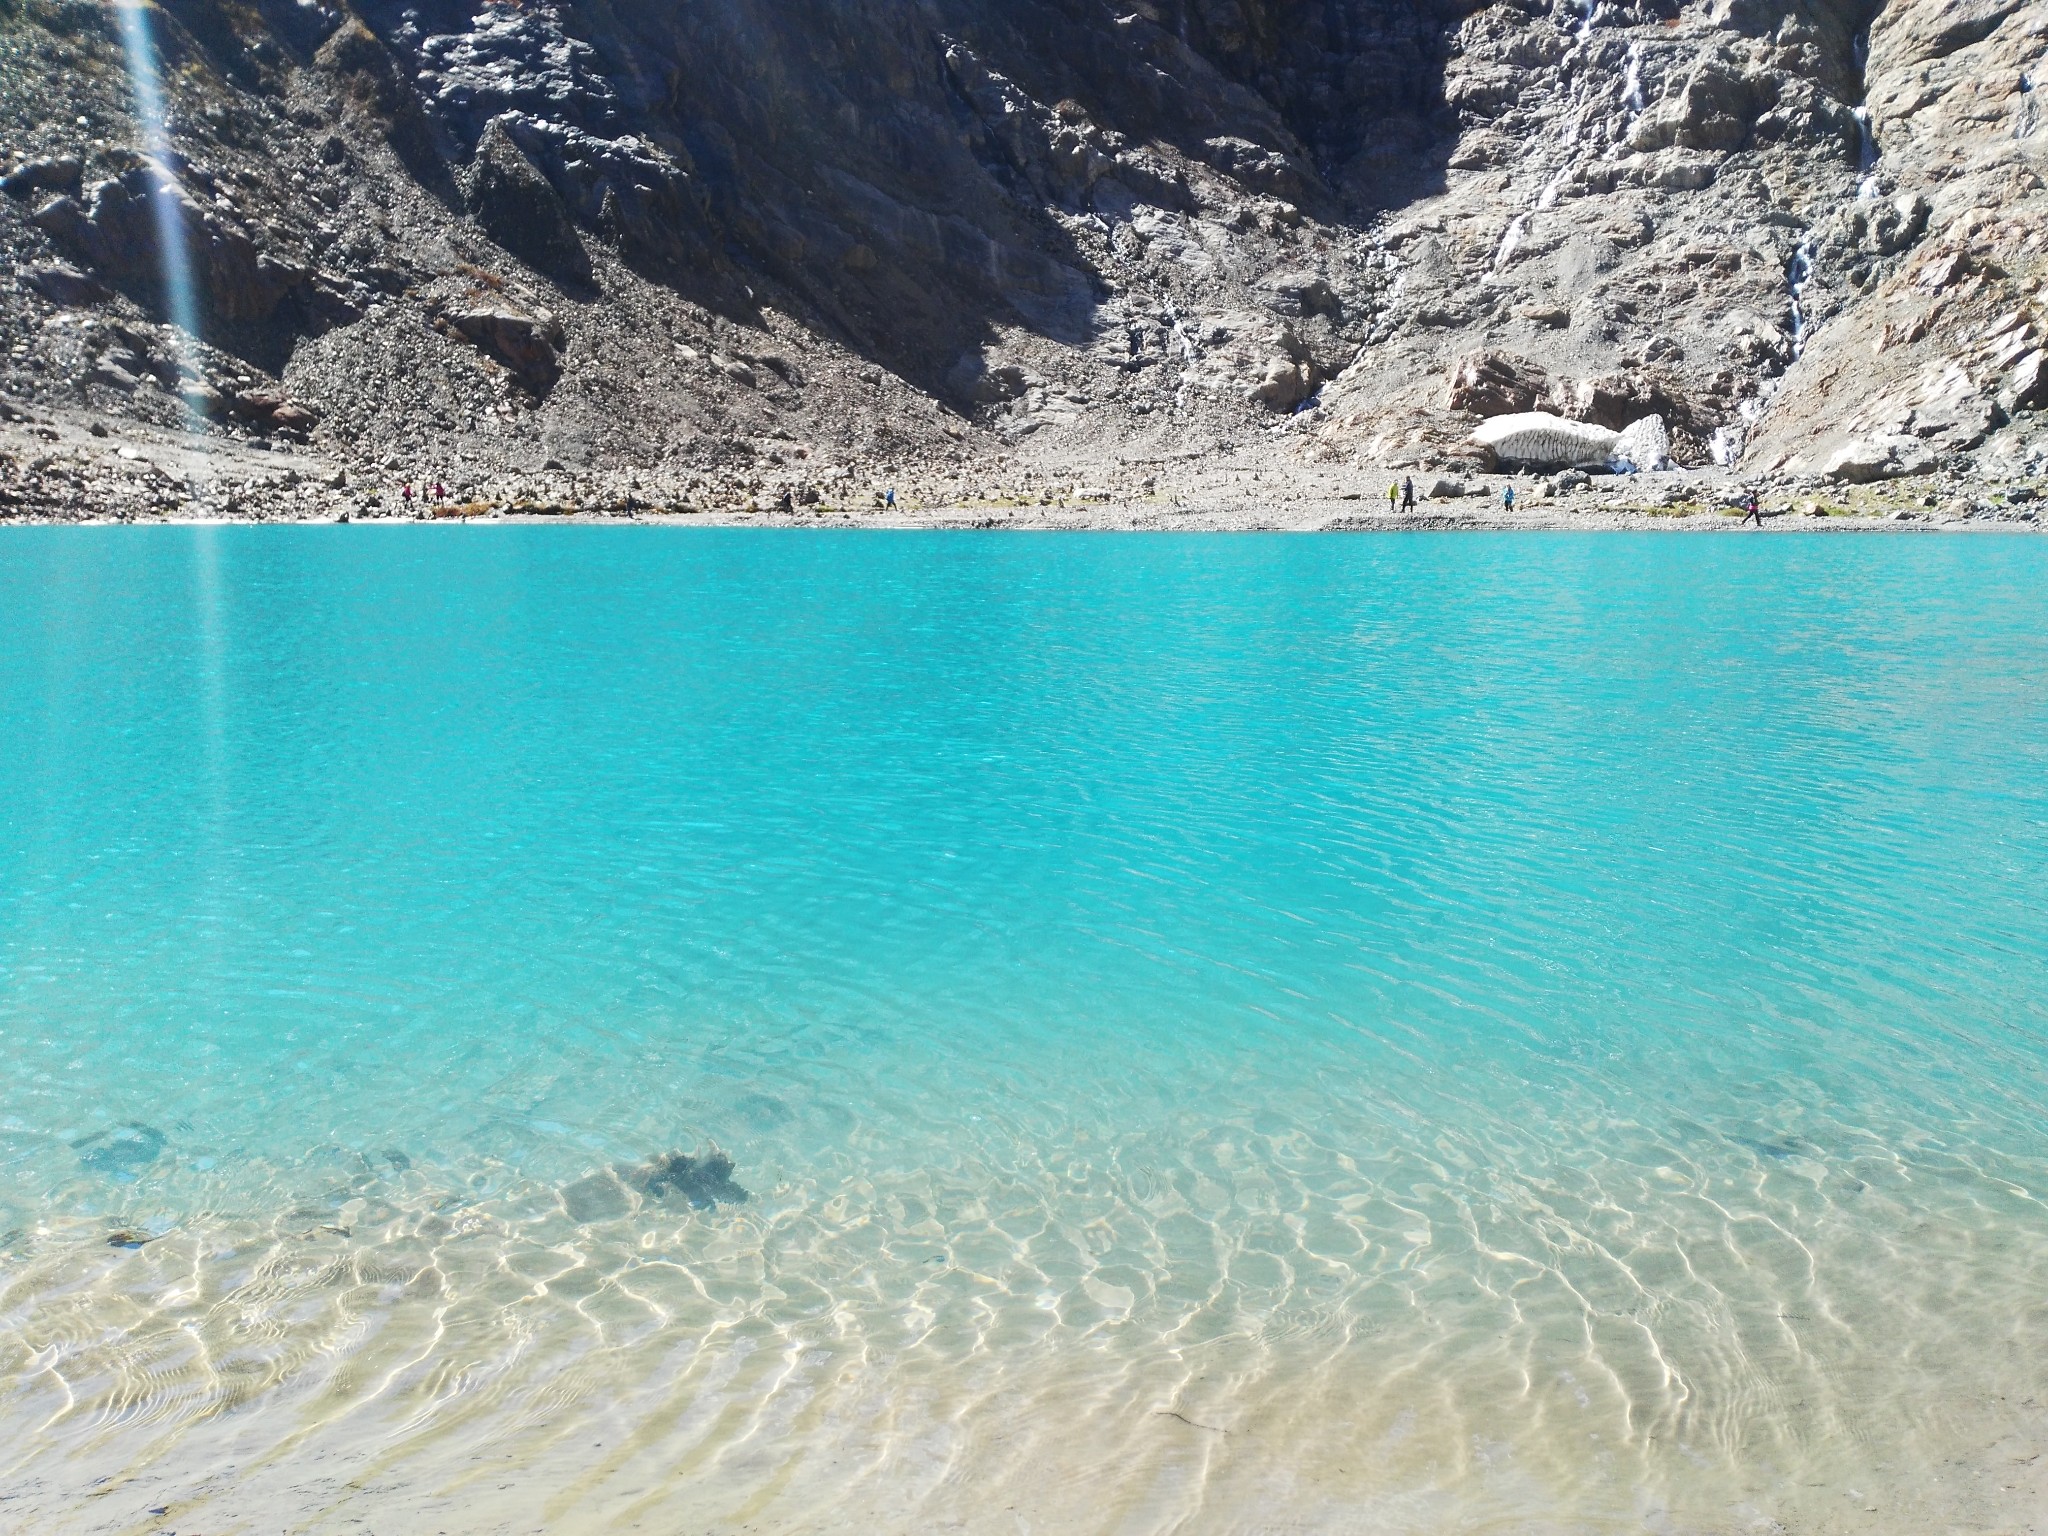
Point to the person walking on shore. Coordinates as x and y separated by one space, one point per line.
1407 493
1753 508
1393 495
1507 499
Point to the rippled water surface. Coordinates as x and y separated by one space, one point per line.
1216 1034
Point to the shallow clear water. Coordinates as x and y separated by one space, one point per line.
1218 1033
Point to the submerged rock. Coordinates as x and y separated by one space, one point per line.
125 1150
761 1109
703 1181
600 1197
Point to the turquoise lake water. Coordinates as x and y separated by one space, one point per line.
1216 1033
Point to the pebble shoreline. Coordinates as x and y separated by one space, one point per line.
58 470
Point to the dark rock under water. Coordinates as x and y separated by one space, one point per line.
703 1181
765 1111
596 1197
122 1151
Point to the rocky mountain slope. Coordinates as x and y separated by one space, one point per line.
736 250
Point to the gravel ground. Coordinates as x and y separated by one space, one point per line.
58 467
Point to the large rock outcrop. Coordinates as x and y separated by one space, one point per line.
239 287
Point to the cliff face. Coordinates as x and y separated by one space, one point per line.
664 234
915 177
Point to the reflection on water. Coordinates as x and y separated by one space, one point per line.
1237 1034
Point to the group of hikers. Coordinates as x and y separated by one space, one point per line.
437 490
1401 495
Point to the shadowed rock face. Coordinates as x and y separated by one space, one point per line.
893 164
518 206
240 286
1340 73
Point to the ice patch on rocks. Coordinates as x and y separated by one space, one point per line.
1644 445
1550 442
1543 441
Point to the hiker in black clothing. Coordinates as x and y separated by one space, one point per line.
1754 509
1407 494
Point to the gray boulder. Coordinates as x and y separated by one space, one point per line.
1864 460
2026 387
1714 111
528 342
57 173
62 283
1298 295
